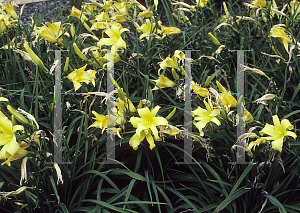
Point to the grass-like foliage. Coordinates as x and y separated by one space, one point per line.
143 106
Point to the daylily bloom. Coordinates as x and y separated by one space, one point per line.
163 82
101 121
11 10
122 104
79 75
166 31
201 3
8 138
146 126
295 7
149 28
52 32
278 132
115 40
277 31
78 14
247 116
2 26
226 99
258 3
121 12
255 143
169 62
146 13
199 90
205 116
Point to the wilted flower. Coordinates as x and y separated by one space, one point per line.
264 98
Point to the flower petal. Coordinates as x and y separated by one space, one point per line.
135 140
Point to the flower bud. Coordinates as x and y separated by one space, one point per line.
18 115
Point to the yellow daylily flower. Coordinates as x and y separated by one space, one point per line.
11 10
247 116
3 99
277 31
226 99
163 82
7 137
295 7
169 62
101 121
79 75
201 3
115 39
258 3
255 143
166 31
205 116
2 26
78 14
149 28
125 104
146 13
199 90
52 32
146 126
121 12
278 132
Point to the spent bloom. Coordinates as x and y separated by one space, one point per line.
146 126
79 75
278 132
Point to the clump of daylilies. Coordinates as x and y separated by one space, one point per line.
107 27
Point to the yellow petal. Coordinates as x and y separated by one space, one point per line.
136 140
